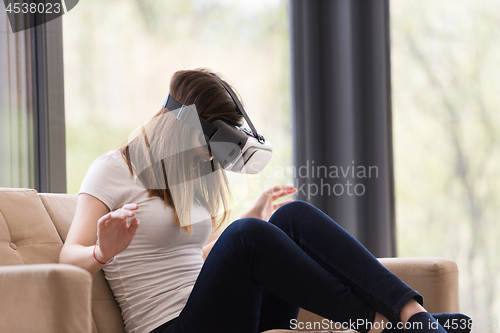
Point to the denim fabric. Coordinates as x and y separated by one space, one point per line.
258 275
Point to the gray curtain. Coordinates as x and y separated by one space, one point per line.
48 106
17 161
342 115
32 133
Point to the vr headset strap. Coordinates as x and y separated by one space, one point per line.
176 108
241 109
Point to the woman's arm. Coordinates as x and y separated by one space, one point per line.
92 217
264 205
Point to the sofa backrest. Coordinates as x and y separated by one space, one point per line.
33 228
27 234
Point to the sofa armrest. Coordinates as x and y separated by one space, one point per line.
436 279
45 298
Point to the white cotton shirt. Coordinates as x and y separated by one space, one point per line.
153 277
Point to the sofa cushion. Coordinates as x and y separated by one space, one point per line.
61 209
27 234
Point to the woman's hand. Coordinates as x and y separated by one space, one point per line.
114 233
264 206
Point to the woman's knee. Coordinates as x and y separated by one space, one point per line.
245 228
298 214
288 213
295 207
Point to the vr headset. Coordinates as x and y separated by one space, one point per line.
236 148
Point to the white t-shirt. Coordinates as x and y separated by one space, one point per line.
153 277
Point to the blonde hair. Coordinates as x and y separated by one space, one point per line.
161 148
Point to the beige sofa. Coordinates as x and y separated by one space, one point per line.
39 295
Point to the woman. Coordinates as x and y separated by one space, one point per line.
261 269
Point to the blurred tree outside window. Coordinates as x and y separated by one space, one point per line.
446 96
119 57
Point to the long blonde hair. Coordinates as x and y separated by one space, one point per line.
162 148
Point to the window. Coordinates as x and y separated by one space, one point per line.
32 145
120 56
445 83
16 117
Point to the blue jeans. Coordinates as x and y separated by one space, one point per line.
258 275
